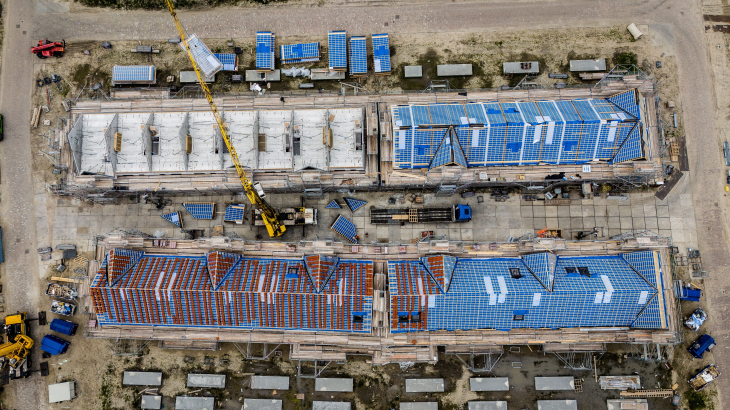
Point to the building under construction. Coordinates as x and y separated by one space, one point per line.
444 142
327 300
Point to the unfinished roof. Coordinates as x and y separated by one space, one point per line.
531 291
520 133
228 290
261 404
419 405
266 140
151 402
487 405
331 405
142 379
557 405
555 383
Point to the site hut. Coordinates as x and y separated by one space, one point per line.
381 54
634 404
554 383
521 67
331 405
613 133
261 404
270 383
61 392
151 402
333 384
487 405
265 49
557 405
207 381
194 403
190 77
419 405
588 65
134 75
204 58
424 385
453 70
489 384
337 50
358 57
142 379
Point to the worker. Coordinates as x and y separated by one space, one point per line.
357 238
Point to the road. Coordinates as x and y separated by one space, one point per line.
684 18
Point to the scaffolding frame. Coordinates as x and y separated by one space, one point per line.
488 357
126 347
247 351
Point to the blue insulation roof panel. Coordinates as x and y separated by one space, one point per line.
520 133
346 228
536 291
381 53
265 50
358 56
299 53
354 204
134 74
229 61
333 205
200 210
174 218
337 44
234 213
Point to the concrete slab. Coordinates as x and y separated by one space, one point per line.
331 405
424 385
195 403
333 384
253 76
213 381
487 405
142 379
261 404
554 383
423 405
557 405
489 384
413 71
270 383
450 70
151 402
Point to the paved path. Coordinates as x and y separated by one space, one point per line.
681 16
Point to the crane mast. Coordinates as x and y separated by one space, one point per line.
268 213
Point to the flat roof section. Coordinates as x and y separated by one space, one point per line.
424 385
261 404
205 155
151 402
588 65
623 404
346 151
194 403
312 150
521 67
333 384
273 135
241 126
555 383
94 146
419 405
269 382
489 384
214 381
450 70
331 405
142 379
487 405
132 157
413 71
557 405
167 140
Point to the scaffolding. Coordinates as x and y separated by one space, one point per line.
619 72
478 359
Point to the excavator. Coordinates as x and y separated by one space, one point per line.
16 350
269 215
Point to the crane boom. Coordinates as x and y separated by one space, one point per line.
268 213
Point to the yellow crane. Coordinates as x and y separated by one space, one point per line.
268 213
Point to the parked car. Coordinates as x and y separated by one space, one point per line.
701 345
696 320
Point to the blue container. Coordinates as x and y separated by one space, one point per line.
64 326
54 345
701 345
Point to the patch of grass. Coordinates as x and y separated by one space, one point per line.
698 400
625 58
